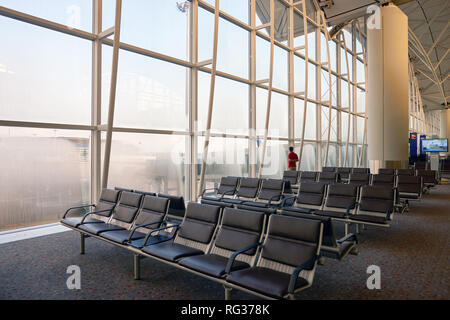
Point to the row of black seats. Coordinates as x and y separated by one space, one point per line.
248 193
384 177
262 193
271 256
349 203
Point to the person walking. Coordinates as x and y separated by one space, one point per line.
292 159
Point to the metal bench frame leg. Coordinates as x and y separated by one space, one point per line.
228 291
82 243
137 266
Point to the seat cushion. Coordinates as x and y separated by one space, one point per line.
211 264
369 218
171 251
300 210
408 195
263 280
121 236
234 201
97 228
160 237
255 204
76 221
333 214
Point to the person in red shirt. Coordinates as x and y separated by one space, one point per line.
292 159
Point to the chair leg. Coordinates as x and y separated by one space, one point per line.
82 243
346 228
227 292
137 267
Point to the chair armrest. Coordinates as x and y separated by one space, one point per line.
297 270
227 192
160 229
283 203
204 190
388 214
236 253
140 226
276 196
78 207
93 212
350 236
347 212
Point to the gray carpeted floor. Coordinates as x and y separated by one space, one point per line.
413 256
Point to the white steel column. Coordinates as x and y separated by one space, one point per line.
193 98
252 88
330 84
112 93
306 96
366 101
96 110
291 79
211 99
349 95
269 90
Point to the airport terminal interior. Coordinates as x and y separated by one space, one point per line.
224 149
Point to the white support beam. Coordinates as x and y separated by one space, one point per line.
46 23
442 59
205 63
106 33
96 103
443 31
266 25
262 81
112 93
305 101
211 99
269 91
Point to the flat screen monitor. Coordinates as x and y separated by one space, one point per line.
434 145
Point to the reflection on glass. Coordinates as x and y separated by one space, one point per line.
150 94
149 162
141 18
279 113
275 159
230 109
308 162
230 60
45 76
226 157
72 13
44 173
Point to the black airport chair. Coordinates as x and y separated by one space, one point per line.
386 171
343 173
239 234
383 180
328 177
227 188
287 262
100 213
308 176
310 197
192 237
375 207
121 218
270 194
248 191
151 215
331 247
340 201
